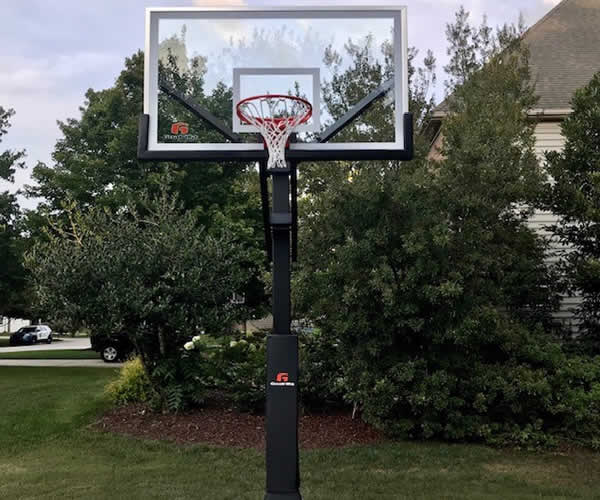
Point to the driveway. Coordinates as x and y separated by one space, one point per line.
65 343
70 363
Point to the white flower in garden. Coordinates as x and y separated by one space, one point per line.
197 338
233 343
188 346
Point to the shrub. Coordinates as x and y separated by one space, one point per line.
234 369
519 389
127 271
132 386
225 368
321 377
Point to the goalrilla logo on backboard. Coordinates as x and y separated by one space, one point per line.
180 132
282 380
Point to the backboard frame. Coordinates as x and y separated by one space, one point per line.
401 149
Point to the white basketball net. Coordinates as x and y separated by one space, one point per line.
276 117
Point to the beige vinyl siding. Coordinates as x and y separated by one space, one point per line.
549 138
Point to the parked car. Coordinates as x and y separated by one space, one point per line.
112 348
31 335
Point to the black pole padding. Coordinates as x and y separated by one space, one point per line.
283 480
282 456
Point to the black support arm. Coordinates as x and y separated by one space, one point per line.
201 113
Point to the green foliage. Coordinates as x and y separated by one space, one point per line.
151 273
132 386
524 391
228 368
428 281
9 160
575 196
232 370
470 48
321 377
13 276
95 166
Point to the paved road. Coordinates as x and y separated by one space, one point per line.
66 343
94 363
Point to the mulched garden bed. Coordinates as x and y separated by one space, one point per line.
229 428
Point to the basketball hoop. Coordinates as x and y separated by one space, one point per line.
276 116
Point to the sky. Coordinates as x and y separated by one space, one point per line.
52 51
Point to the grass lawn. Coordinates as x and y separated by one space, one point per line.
56 354
48 451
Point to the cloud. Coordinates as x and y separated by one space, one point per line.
26 75
56 50
220 3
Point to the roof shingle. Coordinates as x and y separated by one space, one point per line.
564 51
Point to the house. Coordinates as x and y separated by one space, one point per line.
9 325
564 51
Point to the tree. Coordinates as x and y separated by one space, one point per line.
95 165
471 47
14 301
95 161
575 197
151 273
424 274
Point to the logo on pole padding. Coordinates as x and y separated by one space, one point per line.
282 380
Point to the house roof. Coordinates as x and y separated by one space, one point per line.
564 51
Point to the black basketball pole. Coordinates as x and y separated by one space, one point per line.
283 477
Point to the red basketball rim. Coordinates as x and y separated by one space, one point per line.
277 121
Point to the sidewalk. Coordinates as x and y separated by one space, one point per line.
65 363
64 343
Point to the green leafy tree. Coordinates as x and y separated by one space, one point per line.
152 273
95 165
425 275
470 47
13 297
575 197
